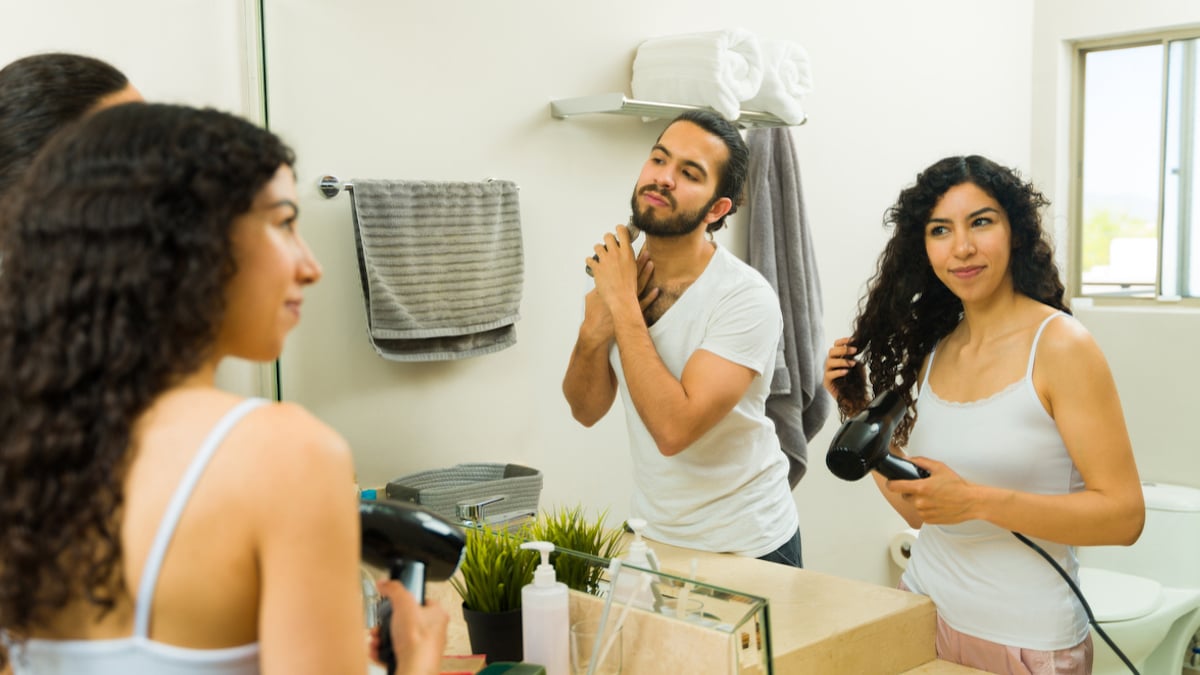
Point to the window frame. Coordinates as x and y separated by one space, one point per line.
1079 51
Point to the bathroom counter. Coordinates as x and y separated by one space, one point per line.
826 624
819 623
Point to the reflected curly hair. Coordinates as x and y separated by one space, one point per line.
41 94
907 309
116 252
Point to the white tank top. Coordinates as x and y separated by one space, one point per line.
983 580
138 653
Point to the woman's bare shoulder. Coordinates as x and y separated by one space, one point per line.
1066 333
1066 347
288 419
284 440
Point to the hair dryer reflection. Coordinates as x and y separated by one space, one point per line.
414 545
862 443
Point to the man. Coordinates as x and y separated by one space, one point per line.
687 332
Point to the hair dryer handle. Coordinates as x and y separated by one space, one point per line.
410 573
896 468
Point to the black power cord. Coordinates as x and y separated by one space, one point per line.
1079 594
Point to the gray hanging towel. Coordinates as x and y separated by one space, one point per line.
781 249
441 265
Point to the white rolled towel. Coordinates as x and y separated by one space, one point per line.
718 69
787 77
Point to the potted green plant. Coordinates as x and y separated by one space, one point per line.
569 528
494 569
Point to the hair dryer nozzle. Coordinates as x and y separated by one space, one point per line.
863 441
843 460
394 531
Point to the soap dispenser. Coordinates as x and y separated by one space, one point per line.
545 616
629 586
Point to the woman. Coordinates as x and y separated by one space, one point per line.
1018 421
42 93
150 522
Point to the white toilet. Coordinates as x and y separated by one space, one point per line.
1146 597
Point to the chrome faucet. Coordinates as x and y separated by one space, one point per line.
471 514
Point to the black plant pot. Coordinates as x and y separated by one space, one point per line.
496 635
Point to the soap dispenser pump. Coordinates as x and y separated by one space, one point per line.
545 616
629 586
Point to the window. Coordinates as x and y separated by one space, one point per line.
1138 169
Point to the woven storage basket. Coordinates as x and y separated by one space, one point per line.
440 490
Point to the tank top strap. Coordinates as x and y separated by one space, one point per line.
166 529
929 366
1038 336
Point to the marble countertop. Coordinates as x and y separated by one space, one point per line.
819 622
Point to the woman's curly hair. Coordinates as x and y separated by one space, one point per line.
907 309
116 252
41 94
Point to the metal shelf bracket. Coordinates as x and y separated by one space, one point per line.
617 103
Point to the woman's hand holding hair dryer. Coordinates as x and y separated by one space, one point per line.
418 631
943 498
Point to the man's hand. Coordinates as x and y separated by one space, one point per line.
619 276
590 386
615 269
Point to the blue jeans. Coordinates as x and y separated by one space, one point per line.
788 554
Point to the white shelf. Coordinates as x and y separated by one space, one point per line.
617 104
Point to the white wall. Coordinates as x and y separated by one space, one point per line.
1150 349
196 52
182 51
461 91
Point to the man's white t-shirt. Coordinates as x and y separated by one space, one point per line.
728 491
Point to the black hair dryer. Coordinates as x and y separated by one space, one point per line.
863 441
413 545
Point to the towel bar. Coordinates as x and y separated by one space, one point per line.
330 186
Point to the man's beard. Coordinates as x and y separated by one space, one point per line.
679 225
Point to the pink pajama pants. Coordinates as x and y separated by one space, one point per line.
994 657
